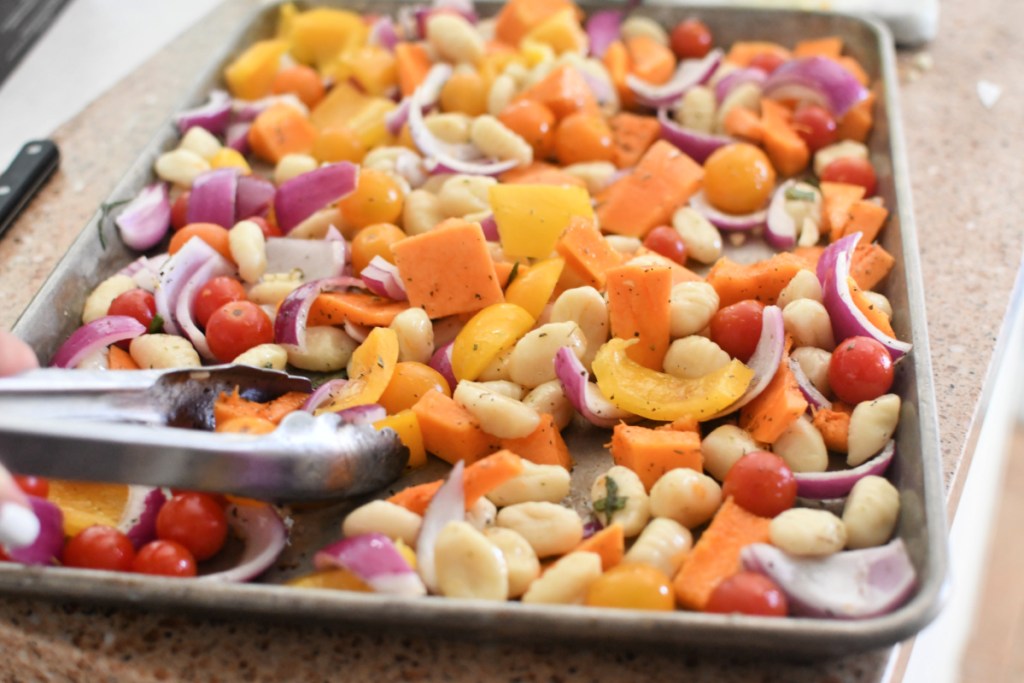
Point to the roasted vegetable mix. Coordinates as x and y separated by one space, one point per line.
495 230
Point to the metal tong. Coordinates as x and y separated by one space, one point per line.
153 427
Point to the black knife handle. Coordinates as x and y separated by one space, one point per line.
29 171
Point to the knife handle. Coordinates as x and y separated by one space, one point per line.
31 168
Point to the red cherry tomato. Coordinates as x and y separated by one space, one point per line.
236 327
667 242
164 558
767 61
99 547
852 170
815 125
860 370
691 39
179 212
214 294
748 593
32 485
196 521
268 229
135 303
737 328
760 482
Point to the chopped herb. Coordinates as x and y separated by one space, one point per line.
797 195
380 362
513 273
612 502
156 325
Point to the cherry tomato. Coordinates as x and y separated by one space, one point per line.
376 199
760 482
32 485
691 39
632 586
214 294
737 328
767 61
748 593
196 521
738 178
99 547
269 229
853 170
374 240
164 558
300 80
135 303
860 370
666 241
236 327
815 125
179 211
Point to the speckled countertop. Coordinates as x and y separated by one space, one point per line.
967 172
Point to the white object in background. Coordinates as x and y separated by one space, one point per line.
911 21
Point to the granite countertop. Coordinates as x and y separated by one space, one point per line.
967 169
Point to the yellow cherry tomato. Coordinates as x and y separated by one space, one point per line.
408 383
660 396
632 586
488 333
377 199
738 178
374 240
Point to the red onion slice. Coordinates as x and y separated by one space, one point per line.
265 536
374 558
248 110
689 73
383 33
300 197
736 78
603 29
316 259
816 79
237 136
92 337
585 397
847 319
49 540
490 227
366 414
290 322
447 505
138 519
212 198
441 361
853 584
814 397
213 115
698 146
214 266
725 221
382 278
253 197
358 332
426 94
146 219
175 275
19 525
322 393
838 483
780 228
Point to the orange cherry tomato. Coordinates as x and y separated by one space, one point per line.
632 586
534 122
299 80
376 199
738 178
583 137
338 143
374 240
211 233
409 383
465 92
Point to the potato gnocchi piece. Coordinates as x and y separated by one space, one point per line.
520 559
566 581
381 516
618 496
468 565
663 544
536 483
549 528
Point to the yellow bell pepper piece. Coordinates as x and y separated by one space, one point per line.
286 20
491 331
251 74
407 425
531 217
332 579
346 107
561 32
533 289
660 396
373 68
320 35
227 157
369 371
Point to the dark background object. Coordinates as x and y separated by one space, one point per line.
31 168
21 23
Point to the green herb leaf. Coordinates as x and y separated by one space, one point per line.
798 195
612 502
512 274
156 325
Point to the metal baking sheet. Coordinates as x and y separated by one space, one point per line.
54 312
